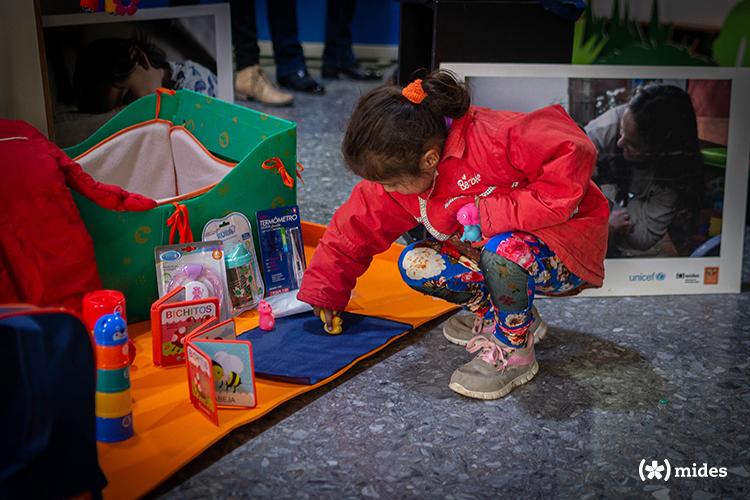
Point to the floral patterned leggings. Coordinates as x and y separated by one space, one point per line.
497 282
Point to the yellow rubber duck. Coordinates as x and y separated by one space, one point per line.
338 324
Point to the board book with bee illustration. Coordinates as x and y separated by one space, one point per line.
172 319
220 369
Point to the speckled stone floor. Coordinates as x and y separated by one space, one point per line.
620 380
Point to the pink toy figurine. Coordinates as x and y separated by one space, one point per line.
468 216
266 320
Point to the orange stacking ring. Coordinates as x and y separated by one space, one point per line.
112 357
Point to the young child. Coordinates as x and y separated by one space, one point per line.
424 154
113 72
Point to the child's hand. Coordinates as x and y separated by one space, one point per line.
331 319
619 221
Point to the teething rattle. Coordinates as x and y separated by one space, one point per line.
199 282
337 322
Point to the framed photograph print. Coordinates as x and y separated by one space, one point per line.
673 156
97 63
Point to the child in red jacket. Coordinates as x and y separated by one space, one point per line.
424 154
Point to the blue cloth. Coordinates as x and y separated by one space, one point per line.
297 350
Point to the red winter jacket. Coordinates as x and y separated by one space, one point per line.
532 173
46 253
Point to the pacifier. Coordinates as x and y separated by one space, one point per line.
198 281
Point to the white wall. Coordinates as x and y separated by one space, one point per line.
21 87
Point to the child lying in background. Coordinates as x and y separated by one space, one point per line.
113 72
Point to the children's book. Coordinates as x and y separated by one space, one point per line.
172 319
220 369
281 247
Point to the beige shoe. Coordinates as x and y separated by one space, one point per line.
495 371
252 83
461 328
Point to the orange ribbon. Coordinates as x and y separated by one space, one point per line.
179 222
159 92
275 163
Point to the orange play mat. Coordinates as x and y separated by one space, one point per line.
169 432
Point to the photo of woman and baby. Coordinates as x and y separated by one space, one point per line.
661 166
662 149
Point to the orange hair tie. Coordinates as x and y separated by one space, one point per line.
414 92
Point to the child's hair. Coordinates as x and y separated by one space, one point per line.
665 119
106 62
387 133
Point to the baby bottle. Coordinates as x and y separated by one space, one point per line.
244 288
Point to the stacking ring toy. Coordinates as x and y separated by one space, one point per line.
113 404
116 380
112 430
112 357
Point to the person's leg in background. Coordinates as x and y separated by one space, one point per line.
291 71
250 81
338 56
244 33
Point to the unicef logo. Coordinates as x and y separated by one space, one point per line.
654 276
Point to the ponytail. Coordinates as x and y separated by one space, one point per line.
391 128
446 96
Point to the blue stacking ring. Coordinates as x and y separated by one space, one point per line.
113 380
112 430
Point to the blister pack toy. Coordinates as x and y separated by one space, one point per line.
243 275
198 268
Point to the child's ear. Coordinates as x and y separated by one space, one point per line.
430 160
140 57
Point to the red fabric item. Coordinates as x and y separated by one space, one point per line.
46 253
532 173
